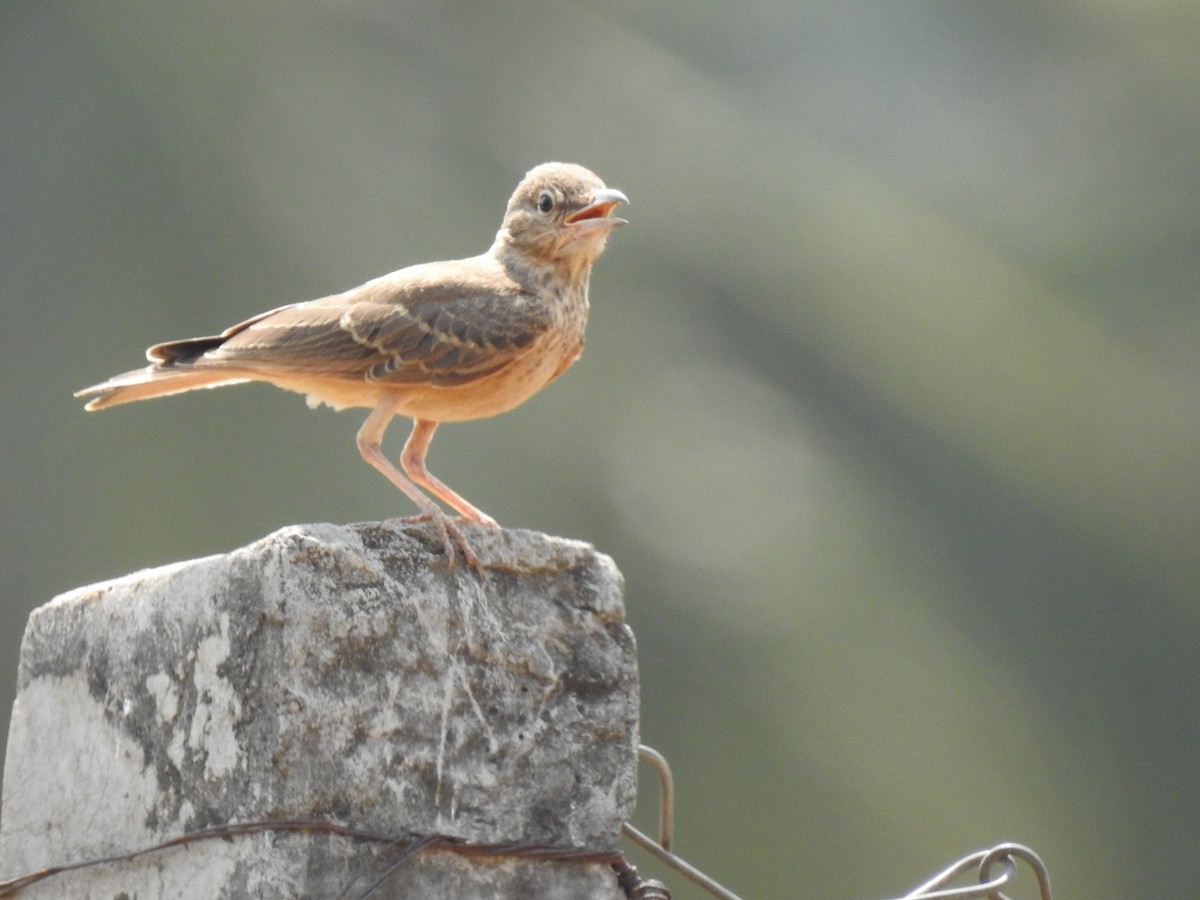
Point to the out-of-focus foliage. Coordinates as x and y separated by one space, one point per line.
891 406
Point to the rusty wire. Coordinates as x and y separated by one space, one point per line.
635 887
666 796
409 845
10 887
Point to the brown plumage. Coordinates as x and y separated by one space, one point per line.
436 342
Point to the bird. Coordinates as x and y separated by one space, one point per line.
434 342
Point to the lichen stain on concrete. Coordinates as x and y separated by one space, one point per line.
217 706
162 688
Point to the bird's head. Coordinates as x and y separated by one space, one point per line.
559 216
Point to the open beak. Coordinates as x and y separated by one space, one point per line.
599 211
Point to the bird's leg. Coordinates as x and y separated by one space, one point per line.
370 440
412 460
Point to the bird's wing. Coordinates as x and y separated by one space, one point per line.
448 340
445 332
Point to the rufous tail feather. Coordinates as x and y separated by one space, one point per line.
150 382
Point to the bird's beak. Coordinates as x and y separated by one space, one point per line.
599 211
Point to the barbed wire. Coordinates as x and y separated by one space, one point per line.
632 883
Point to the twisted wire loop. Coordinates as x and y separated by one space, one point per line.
983 861
1004 856
635 886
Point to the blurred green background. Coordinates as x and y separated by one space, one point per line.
890 412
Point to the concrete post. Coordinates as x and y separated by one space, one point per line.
332 673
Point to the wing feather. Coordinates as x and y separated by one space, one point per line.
426 330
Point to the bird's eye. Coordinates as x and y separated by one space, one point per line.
546 202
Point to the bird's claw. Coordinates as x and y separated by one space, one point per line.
451 536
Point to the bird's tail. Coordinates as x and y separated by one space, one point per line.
154 381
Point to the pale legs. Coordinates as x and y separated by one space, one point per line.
415 476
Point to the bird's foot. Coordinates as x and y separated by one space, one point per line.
452 536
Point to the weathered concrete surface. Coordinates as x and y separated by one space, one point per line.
327 672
